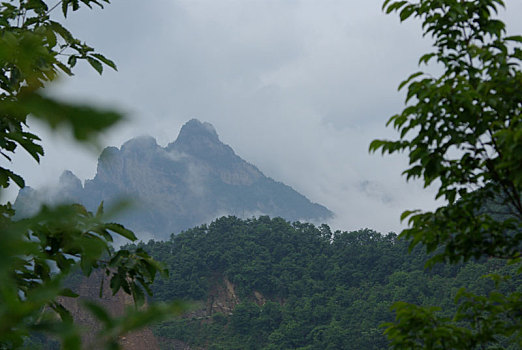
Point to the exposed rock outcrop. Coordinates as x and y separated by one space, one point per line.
193 180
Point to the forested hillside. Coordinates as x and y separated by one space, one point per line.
268 284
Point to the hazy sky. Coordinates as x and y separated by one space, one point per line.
298 88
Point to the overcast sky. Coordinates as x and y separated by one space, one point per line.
298 88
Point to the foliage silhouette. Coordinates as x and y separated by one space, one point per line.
37 253
462 133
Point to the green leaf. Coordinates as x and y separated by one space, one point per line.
99 212
375 145
385 3
408 213
105 60
65 7
426 58
7 175
406 12
67 292
516 38
86 122
72 60
410 78
137 294
121 230
26 140
395 6
95 64
62 311
117 281
62 31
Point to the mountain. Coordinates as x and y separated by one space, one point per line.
191 181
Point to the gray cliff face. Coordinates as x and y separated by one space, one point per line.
191 181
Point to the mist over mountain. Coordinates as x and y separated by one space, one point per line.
191 181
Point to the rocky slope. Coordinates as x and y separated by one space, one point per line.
191 181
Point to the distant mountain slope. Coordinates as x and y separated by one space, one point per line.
191 181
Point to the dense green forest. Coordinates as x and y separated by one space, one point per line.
300 286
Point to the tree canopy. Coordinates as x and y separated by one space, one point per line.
462 132
298 286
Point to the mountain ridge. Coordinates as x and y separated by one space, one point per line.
191 181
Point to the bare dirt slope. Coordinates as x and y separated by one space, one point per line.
89 289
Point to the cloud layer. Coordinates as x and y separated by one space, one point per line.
298 88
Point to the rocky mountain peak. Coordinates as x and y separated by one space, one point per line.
70 181
193 180
140 144
195 128
201 140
